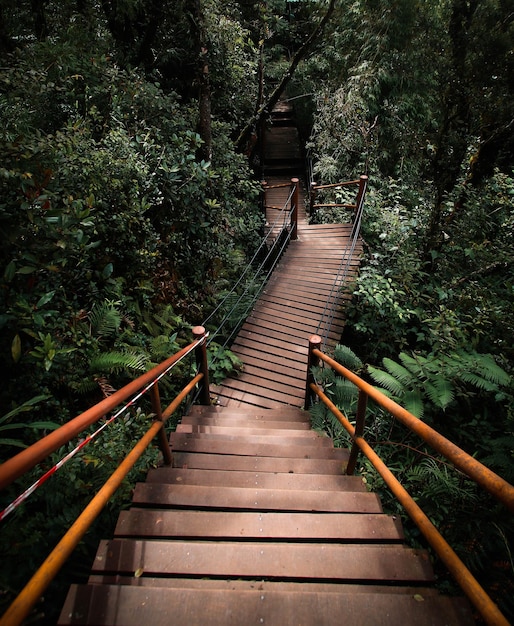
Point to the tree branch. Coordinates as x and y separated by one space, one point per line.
275 96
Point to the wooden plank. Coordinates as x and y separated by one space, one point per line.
288 383
320 561
284 413
253 480
260 329
181 440
285 321
275 342
235 422
231 431
225 395
256 449
295 317
248 525
246 349
92 604
198 496
235 462
254 386
285 317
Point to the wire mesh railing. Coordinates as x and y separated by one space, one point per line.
341 278
231 312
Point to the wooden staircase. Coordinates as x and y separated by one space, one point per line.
256 524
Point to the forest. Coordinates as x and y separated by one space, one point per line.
130 204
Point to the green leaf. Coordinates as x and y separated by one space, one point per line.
16 348
26 406
413 402
26 269
107 270
44 299
386 380
10 271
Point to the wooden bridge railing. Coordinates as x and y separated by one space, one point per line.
480 474
315 188
287 213
30 457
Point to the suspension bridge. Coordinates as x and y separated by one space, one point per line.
254 518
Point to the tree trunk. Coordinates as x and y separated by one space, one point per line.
267 106
40 25
454 132
204 87
6 43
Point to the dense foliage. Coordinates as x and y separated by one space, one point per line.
125 211
420 98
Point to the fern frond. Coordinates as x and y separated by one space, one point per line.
84 386
318 414
345 391
104 319
400 373
386 380
410 362
346 357
108 362
440 392
478 381
489 369
413 402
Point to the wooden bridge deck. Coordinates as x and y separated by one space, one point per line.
273 342
255 523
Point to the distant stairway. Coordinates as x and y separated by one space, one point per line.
257 525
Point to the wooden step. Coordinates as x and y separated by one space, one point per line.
233 431
275 465
245 436
192 443
282 413
231 498
235 422
266 480
202 525
160 606
320 561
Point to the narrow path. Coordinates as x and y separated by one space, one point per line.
273 342
256 522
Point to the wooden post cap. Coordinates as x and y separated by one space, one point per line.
315 340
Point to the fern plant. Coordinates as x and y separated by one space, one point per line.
437 378
341 391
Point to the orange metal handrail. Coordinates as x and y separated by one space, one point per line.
30 457
23 603
483 476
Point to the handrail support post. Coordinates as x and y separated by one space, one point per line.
202 364
161 437
359 431
313 361
312 196
295 184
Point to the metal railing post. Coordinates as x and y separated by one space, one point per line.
359 431
295 183
203 367
363 182
312 197
161 437
313 361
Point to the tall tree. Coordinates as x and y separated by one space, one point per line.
264 108
204 89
